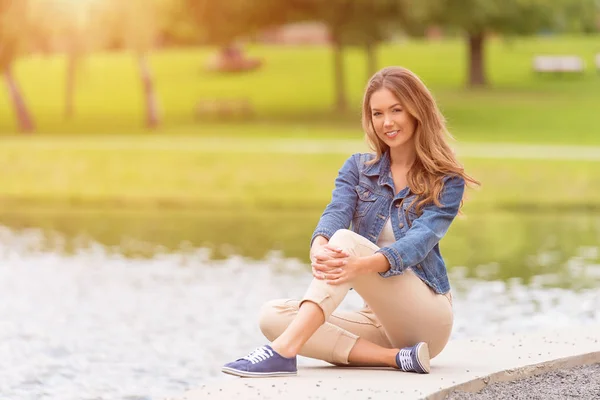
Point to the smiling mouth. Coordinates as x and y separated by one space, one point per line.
391 134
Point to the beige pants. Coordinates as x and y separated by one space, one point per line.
400 311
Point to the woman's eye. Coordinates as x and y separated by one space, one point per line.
376 114
397 110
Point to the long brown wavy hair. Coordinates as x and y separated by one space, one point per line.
434 159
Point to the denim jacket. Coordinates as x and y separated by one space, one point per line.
364 198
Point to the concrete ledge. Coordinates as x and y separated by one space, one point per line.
466 365
516 374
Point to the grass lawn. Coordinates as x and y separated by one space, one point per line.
185 172
135 193
292 94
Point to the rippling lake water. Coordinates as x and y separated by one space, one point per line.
92 323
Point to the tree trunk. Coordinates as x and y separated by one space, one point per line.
477 59
70 89
338 70
152 113
24 119
371 50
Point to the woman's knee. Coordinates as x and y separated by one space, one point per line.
439 343
343 238
275 316
352 242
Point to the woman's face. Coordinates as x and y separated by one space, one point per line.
393 124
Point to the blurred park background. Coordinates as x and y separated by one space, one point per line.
159 122
152 128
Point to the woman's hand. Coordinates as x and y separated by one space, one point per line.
326 259
352 267
336 266
325 251
341 270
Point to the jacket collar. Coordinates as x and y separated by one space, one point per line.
378 167
382 169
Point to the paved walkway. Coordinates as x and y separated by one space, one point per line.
468 150
264 145
466 364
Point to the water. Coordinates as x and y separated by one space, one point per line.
92 323
511 238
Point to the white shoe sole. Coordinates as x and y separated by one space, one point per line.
423 356
245 374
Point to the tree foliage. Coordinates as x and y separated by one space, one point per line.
222 22
477 18
510 16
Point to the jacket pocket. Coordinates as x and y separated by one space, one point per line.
366 199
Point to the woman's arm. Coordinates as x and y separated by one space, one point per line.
338 213
317 243
426 231
374 263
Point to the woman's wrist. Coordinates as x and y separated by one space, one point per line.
374 263
319 241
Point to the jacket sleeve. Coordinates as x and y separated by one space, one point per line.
426 230
338 213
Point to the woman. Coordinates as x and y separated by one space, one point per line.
399 202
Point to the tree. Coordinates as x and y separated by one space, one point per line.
350 22
478 18
13 27
55 22
133 25
335 15
222 22
367 23
364 23
175 26
140 37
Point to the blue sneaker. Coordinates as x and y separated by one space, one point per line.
414 359
263 362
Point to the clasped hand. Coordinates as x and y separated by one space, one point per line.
334 265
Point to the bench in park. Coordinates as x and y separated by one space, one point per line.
558 64
238 107
232 59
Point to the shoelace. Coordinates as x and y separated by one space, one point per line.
258 355
406 361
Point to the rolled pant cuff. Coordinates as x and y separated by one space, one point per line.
325 302
342 348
